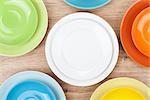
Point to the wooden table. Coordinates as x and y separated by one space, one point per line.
35 60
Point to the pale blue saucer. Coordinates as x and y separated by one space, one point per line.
40 79
87 4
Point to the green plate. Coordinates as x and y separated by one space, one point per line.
28 32
18 21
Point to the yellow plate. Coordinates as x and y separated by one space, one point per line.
122 88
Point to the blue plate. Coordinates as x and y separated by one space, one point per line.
87 4
32 89
32 81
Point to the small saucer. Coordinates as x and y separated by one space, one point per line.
87 4
141 31
18 22
30 76
122 88
31 89
37 36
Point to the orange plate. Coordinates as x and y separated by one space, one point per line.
141 32
125 33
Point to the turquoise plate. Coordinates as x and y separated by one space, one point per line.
31 90
87 4
43 81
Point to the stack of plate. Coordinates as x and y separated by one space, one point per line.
23 24
82 49
87 4
31 85
135 32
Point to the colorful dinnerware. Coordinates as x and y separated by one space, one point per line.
122 89
82 49
31 85
23 25
87 4
126 33
141 32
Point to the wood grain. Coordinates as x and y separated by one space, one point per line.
35 60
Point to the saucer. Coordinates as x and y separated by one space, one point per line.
34 39
29 76
31 90
141 32
87 4
125 33
122 88
82 49
18 22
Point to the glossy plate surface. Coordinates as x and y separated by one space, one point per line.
39 79
126 36
18 22
82 49
37 36
87 4
31 90
122 89
141 31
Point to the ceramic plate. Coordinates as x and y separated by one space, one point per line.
31 75
141 32
82 49
32 40
121 89
31 89
125 33
23 26
87 4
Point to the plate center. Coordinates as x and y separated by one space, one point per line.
123 93
11 19
81 48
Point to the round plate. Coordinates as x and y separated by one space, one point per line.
82 49
37 37
141 31
18 22
31 75
87 4
125 33
31 89
122 86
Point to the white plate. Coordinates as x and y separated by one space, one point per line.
31 75
82 49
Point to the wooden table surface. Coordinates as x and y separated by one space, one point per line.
35 60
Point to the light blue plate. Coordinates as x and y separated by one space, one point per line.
87 4
40 80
